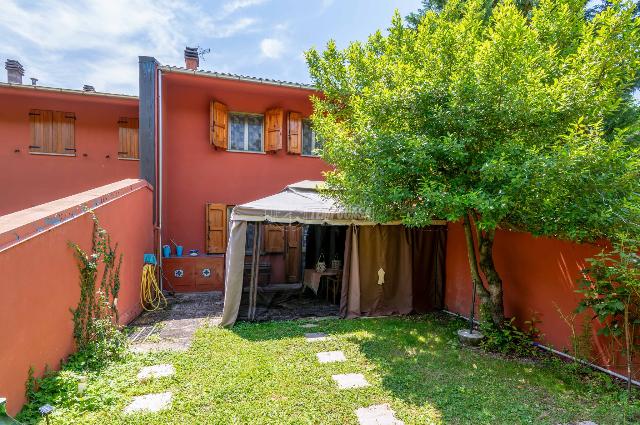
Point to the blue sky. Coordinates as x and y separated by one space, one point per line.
68 44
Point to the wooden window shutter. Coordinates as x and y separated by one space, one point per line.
67 127
37 130
52 132
273 239
134 146
128 138
216 228
273 130
294 144
218 119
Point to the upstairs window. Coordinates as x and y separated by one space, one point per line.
246 132
128 135
310 145
52 132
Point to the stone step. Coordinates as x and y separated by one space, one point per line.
149 403
379 414
156 371
350 380
331 357
316 336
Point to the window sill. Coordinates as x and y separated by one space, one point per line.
52 154
310 156
252 152
129 159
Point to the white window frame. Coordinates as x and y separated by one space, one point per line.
246 132
313 140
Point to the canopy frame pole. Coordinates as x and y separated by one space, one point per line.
252 273
255 272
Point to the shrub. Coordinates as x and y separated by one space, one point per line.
509 339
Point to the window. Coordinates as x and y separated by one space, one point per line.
52 132
310 145
128 134
251 231
246 132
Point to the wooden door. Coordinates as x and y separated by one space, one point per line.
216 222
292 266
273 239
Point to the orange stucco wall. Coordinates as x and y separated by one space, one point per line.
29 179
40 283
539 276
194 174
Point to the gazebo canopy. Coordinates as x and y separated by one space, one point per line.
299 203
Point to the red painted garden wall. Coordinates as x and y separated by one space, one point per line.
30 179
194 174
40 280
539 277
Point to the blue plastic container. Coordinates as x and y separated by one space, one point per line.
150 259
166 251
179 250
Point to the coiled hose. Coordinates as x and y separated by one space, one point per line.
151 296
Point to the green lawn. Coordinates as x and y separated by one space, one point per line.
268 374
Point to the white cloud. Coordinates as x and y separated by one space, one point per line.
98 42
272 48
234 5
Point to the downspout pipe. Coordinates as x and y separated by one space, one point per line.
565 355
159 174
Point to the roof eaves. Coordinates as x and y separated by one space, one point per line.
237 77
69 91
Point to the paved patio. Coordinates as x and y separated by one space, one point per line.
173 328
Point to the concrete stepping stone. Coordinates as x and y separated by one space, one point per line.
331 357
149 403
309 325
350 380
156 371
316 336
379 414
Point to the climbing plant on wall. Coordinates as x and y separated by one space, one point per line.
95 318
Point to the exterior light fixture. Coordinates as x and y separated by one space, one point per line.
45 411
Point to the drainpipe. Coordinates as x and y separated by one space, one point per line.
159 186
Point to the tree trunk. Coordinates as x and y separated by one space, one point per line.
493 278
473 262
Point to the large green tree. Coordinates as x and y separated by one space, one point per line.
495 121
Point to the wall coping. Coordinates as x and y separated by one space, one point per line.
22 225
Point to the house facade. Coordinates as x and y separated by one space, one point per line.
209 141
58 142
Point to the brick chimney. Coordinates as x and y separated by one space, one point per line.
15 71
191 59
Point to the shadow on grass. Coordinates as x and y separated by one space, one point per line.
420 363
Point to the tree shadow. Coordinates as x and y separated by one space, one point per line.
420 363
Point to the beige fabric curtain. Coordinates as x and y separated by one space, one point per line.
234 269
